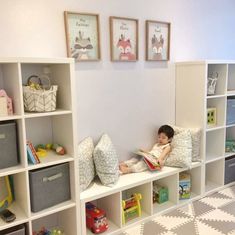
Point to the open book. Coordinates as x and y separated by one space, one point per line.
150 160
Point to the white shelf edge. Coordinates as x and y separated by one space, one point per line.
229 154
46 114
230 125
52 210
208 129
214 159
10 117
216 96
12 170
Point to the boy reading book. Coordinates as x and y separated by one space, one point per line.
156 156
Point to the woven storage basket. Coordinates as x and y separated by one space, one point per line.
41 100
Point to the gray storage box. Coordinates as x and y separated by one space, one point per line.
8 144
49 186
230 111
18 230
229 170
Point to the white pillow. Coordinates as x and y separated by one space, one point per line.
106 161
196 138
181 153
86 164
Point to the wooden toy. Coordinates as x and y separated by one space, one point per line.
184 185
211 117
160 194
131 207
96 219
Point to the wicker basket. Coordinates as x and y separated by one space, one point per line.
42 99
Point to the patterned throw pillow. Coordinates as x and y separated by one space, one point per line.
181 153
196 141
106 161
86 164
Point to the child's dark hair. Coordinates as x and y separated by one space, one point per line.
167 130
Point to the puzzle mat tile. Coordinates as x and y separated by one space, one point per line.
211 215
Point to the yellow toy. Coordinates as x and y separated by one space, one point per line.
131 207
211 117
5 193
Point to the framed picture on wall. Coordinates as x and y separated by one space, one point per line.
82 36
157 40
123 39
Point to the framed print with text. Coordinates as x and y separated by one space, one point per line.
157 41
82 36
123 39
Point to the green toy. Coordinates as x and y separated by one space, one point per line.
160 194
230 146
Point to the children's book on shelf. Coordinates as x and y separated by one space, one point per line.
31 153
150 160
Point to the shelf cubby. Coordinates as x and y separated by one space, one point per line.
57 74
146 201
170 182
10 82
221 70
50 131
231 79
57 220
214 177
219 103
230 135
20 204
215 144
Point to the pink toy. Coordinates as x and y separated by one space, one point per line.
9 102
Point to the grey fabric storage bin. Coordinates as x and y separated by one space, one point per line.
49 186
8 144
18 230
230 111
229 170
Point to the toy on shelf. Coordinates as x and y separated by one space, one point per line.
42 149
131 207
184 185
6 106
44 231
160 194
96 219
5 193
211 117
230 146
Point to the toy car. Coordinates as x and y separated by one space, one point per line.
96 219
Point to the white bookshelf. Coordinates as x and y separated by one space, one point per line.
41 128
109 198
192 102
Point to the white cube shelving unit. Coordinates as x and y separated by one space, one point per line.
40 128
192 102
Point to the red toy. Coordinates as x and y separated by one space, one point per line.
96 219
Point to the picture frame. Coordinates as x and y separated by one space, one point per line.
82 36
157 40
123 39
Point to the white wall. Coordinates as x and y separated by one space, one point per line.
127 100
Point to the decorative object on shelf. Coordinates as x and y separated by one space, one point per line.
31 153
230 145
157 40
211 117
96 219
123 39
39 95
5 193
82 36
211 83
230 111
184 185
131 207
6 106
160 193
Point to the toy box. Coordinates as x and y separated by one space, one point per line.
160 194
184 185
96 219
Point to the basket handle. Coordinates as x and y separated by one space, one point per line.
40 81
